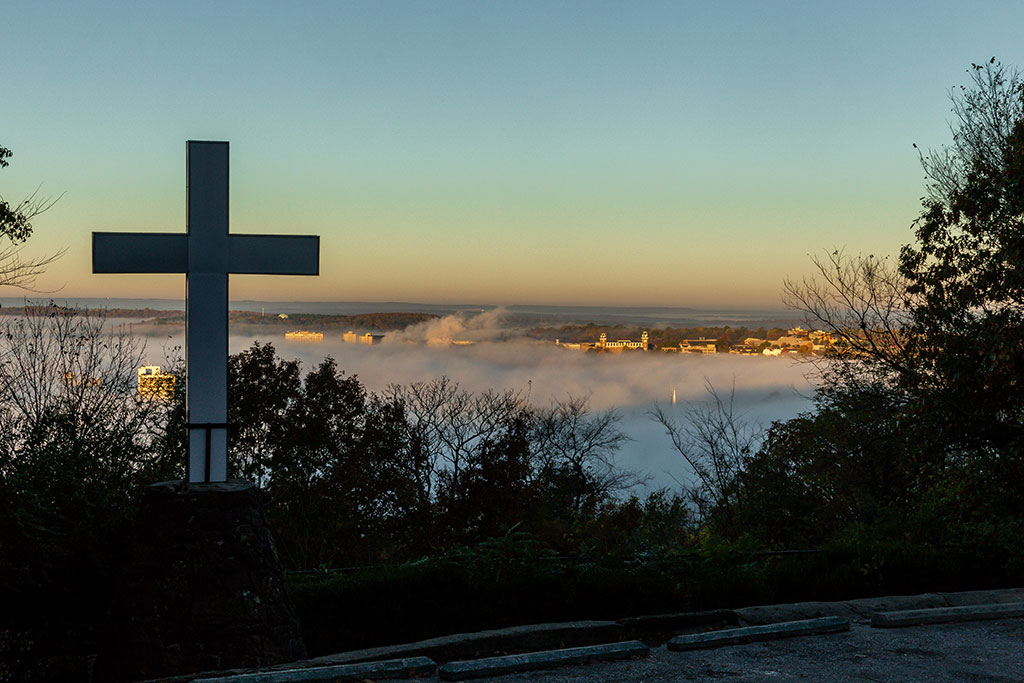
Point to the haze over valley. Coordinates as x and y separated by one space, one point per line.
632 383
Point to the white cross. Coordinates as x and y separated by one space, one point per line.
206 253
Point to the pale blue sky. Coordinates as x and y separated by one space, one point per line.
633 153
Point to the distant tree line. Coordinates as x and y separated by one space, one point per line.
143 313
378 322
725 336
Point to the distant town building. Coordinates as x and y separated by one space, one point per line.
351 337
798 339
791 340
622 344
821 341
744 349
701 345
575 346
155 384
304 336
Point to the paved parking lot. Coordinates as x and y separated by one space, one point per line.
974 651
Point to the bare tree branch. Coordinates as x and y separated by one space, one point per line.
716 442
862 301
572 439
56 361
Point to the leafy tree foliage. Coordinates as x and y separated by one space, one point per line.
967 268
266 392
920 416
16 227
821 474
496 491
75 446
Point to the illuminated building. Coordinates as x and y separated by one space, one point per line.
155 384
701 345
351 337
621 344
575 346
304 336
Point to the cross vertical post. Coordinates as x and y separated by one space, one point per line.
206 253
206 322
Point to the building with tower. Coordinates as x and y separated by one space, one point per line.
622 344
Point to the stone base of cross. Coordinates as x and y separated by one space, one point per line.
206 253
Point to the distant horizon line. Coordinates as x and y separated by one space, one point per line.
176 303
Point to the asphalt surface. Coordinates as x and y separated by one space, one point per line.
973 651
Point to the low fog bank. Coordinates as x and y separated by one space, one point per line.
485 325
766 389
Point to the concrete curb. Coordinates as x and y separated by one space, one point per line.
942 615
483 643
750 634
863 609
531 661
678 622
859 609
988 597
394 668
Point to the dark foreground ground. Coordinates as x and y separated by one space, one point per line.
990 648
974 651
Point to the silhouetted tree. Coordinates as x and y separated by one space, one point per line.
496 490
75 445
967 268
920 413
16 227
574 454
717 443
452 423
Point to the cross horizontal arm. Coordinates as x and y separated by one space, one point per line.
274 254
139 252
